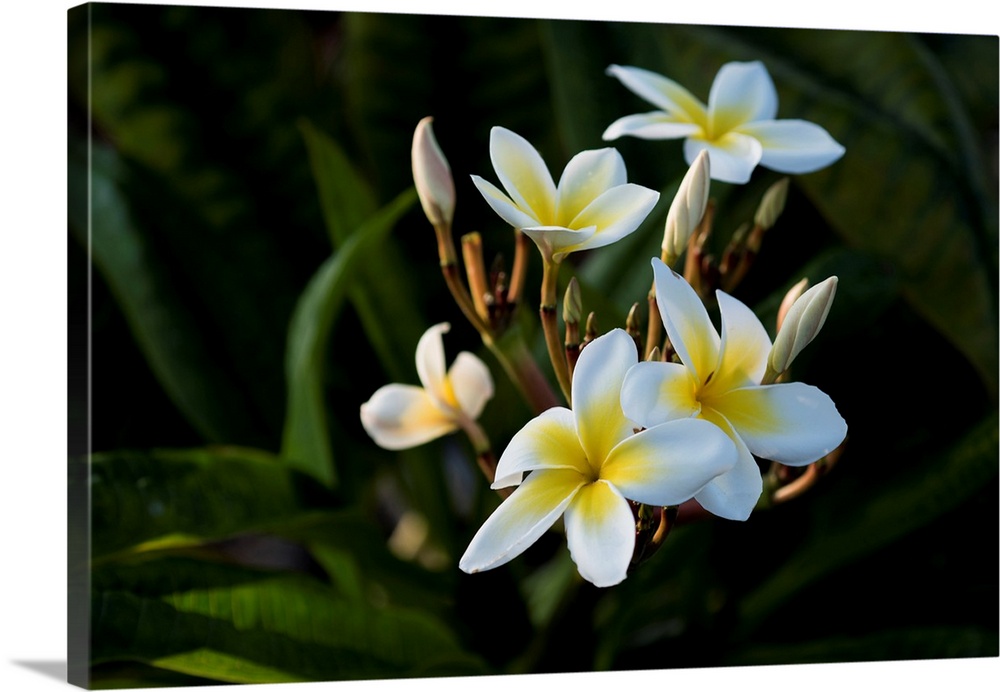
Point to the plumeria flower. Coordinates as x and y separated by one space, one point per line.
718 380
737 128
593 205
400 416
585 462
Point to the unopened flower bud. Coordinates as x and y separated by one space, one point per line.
432 176
786 303
572 303
687 208
801 324
771 205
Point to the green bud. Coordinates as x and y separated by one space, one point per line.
572 303
771 205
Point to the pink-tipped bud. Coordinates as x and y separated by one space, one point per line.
688 207
786 303
432 176
801 323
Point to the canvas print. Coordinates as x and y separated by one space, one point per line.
419 346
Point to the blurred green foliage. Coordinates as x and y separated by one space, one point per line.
240 181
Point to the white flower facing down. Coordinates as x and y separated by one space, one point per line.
737 127
400 416
718 380
593 205
584 463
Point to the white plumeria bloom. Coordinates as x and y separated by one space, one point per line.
737 127
400 416
593 205
584 463
718 380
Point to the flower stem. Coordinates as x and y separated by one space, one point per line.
518 364
475 271
516 360
547 313
449 269
484 452
520 268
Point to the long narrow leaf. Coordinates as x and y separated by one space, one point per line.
184 496
166 332
306 443
385 303
279 628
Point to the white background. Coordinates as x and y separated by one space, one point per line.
33 401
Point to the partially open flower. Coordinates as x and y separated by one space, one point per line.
400 416
718 380
737 127
584 463
593 205
432 176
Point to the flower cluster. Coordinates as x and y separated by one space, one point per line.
682 417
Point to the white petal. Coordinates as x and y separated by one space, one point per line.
471 382
585 178
556 242
663 93
744 348
792 423
548 441
523 174
597 385
655 393
431 365
742 92
732 156
616 213
733 494
794 146
667 464
655 125
503 205
400 416
687 323
521 519
600 531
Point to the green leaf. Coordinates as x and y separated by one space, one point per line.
216 181
345 198
353 551
150 298
381 294
278 628
877 517
171 498
306 444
